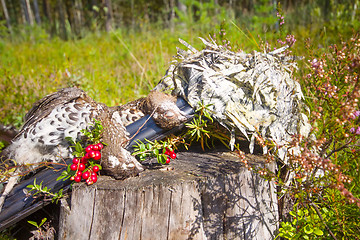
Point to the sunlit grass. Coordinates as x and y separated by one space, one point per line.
113 68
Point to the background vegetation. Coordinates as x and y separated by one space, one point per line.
117 50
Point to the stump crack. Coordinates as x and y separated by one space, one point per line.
93 213
123 216
169 216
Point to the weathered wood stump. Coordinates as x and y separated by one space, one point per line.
204 196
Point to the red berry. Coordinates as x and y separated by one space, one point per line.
77 178
167 160
84 160
173 155
167 151
96 169
89 182
100 146
96 147
75 161
93 174
73 167
91 154
93 178
78 173
97 155
86 175
72 178
81 167
89 148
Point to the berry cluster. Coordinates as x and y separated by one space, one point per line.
171 154
85 167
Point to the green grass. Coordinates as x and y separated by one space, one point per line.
113 68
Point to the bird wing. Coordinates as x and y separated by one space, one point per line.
44 106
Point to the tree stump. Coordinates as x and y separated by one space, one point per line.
197 196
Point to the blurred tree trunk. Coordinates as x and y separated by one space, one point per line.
132 15
24 11
172 14
6 14
60 8
327 10
49 16
95 11
77 16
216 5
36 10
109 16
46 10
353 13
30 13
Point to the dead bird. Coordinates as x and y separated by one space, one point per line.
66 112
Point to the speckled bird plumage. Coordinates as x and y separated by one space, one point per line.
65 113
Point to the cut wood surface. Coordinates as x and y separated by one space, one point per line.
197 196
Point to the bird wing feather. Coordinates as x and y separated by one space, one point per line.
44 106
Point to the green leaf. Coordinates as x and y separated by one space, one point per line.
318 232
33 223
300 212
142 147
78 147
308 229
70 140
161 158
63 176
42 221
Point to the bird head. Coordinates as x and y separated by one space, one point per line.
164 110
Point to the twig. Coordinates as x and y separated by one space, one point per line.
143 124
322 219
339 149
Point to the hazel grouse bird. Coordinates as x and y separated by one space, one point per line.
66 112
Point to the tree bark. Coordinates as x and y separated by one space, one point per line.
6 14
197 196
30 13
25 11
77 15
36 10
63 32
47 10
109 16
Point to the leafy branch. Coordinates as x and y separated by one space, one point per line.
38 189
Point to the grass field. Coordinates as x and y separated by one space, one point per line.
113 68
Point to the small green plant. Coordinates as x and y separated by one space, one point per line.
197 129
200 129
306 224
2 145
38 226
43 230
162 150
39 190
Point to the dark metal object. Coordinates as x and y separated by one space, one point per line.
18 205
